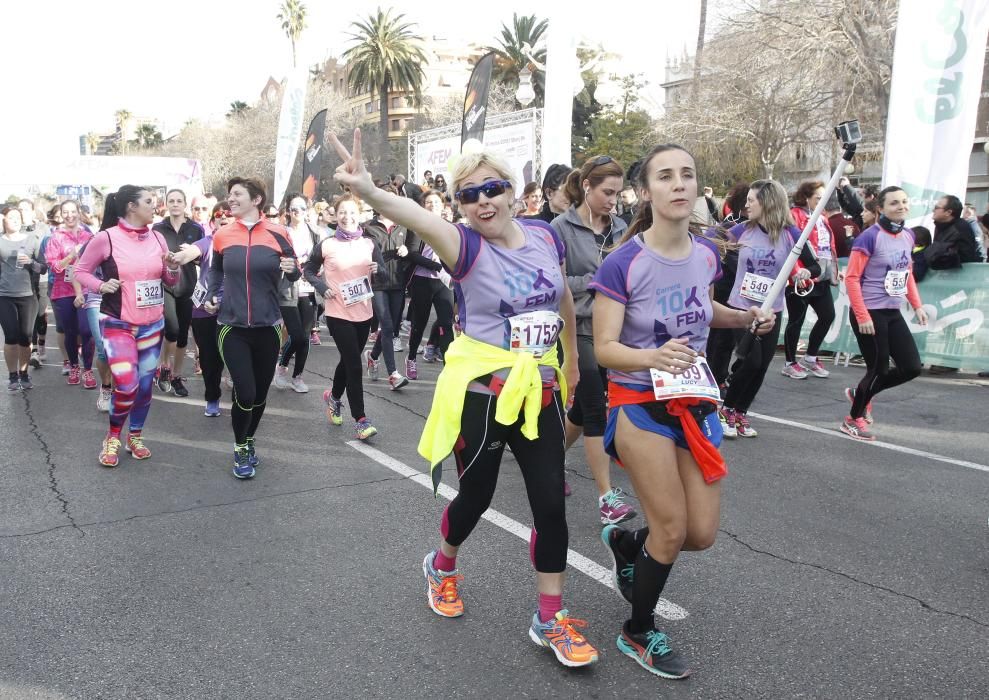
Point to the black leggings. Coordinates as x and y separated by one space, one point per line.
892 339
299 320
589 408
796 308
350 338
425 292
478 453
745 381
388 304
17 315
178 315
210 361
720 346
250 355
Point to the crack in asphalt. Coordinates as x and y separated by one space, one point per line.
206 506
50 462
875 586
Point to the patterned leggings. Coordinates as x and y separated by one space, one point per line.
132 354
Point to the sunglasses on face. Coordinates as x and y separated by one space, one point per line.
221 214
491 189
298 210
201 208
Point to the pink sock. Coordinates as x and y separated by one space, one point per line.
444 563
549 605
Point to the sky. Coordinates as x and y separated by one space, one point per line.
71 69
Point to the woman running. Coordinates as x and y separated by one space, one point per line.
428 289
347 262
501 384
135 265
250 259
62 252
297 305
92 305
764 242
20 258
652 312
588 229
878 277
816 292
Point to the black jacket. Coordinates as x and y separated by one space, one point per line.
391 269
189 232
953 245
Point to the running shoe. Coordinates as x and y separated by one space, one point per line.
372 365
110 453
66 367
42 352
164 379
850 395
794 371
742 426
405 328
35 360
396 344
242 465
103 400
622 569
282 378
334 408
136 447
14 385
364 430
429 354
178 386
252 455
397 381
561 636
73 378
299 386
314 338
441 589
857 428
652 652
25 380
212 409
410 369
88 380
614 509
729 423
815 368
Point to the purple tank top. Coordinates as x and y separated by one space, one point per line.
888 252
664 299
759 256
492 283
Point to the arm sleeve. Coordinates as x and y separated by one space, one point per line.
611 280
470 248
54 254
39 264
96 251
413 243
853 283
215 272
310 270
851 202
913 293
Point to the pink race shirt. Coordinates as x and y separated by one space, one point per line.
61 243
347 267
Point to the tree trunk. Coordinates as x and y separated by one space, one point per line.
699 51
293 53
386 163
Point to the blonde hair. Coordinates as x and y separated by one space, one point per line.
775 208
467 163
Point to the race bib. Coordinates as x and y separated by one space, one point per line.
70 273
149 293
534 332
823 244
697 381
199 295
755 287
896 283
356 290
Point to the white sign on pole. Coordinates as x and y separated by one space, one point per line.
289 131
934 99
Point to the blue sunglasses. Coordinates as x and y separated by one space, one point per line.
491 189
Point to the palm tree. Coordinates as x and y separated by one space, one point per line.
293 19
237 109
386 55
93 142
123 118
515 52
148 136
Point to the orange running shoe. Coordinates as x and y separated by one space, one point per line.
109 455
136 447
441 589
560 634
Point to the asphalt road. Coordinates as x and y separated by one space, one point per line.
841 569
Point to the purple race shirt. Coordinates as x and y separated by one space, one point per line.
664 299
759 256
493 284
888 252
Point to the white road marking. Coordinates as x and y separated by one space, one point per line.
877 443
664 608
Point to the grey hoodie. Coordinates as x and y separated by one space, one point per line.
585 251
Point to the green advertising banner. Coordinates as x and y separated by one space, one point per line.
957 305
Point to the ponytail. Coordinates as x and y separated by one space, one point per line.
110 216
571 187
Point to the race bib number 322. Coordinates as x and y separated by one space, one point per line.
149 293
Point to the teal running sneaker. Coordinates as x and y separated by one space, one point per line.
652 652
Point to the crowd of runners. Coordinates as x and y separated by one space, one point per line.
591 306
